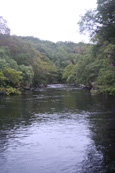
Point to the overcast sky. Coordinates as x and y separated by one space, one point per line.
54 20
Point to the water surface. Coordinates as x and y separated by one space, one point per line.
58 129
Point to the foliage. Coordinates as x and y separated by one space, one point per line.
2 79
100 65
6 60
106 78
10 81
9 90
29 61
27 75
100 21
13 77
67 71
85 71
42 72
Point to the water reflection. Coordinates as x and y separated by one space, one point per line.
102 128
57 129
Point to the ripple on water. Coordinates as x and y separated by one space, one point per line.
58 129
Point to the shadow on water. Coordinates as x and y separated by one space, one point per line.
100 155
66 108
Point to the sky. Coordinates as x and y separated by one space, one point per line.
53 20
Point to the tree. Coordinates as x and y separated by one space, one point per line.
13 76
100 22
27 74
67 71
43 72
3 26
10 81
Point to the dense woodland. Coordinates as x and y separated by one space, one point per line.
27 62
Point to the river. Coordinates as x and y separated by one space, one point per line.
58 129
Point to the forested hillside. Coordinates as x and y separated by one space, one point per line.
29 62
32 62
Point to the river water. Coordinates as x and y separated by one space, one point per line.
58 129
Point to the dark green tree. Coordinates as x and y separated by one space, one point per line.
100 22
